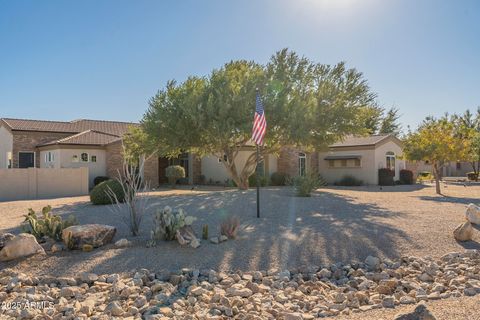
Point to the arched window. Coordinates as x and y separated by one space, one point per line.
390 161
302 163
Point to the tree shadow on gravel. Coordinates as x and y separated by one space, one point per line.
292 232
449 199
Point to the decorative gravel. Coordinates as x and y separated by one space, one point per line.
334 225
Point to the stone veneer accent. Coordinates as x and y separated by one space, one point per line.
115 164
288 161
29 140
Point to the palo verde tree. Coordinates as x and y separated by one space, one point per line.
435 141
307 105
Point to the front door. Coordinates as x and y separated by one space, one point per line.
162 165
26 159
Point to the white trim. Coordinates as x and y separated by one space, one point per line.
34 157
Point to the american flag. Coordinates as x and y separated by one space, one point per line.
259 122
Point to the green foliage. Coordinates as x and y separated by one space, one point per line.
472 176
205 232
252 180
389 123
308 104
99 196
229 226
406 177
278 179
436 141
349 181
424 176
49 225
385 177
304 185
174 173
166 223
99 180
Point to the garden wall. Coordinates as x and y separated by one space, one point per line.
35 183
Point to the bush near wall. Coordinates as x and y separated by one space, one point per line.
278 179
385 177
406 177
174 173
99 194
472 176
349 181
252 180
99 180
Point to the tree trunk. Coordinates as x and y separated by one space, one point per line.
436 174
241 179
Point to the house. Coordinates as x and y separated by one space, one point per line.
449 169
94 144
361 157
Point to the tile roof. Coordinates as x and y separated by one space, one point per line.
354 141
76 126
89 137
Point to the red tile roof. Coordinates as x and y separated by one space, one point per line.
89 137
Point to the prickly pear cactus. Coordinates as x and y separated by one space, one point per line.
166 223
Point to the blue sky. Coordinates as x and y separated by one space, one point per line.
64 60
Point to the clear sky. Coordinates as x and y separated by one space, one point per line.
64 60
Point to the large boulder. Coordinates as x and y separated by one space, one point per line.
473 214
463 232
4 238
95 235
20 246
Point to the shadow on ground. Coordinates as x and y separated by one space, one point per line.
291 232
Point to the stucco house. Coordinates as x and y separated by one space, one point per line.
97 145
94 144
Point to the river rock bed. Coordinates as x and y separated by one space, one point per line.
304 293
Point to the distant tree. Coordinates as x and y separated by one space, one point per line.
467 128
435 141
389 123
308 105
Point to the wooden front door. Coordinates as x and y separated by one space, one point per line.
162 165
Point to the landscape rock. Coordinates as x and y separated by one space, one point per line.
223 238
4 238
214 240
473 214
20 246
372 263
122 243
95 235
463 232
420 312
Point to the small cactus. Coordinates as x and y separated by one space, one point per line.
205 232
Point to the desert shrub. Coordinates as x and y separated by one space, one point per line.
349 181
229 226
99 180
49 225
99 195
183 181
425 174
173 173
166 223
406 176
230 183
252 180
278 179
385 177
472 176
304 185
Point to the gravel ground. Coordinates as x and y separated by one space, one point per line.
464 308
334 225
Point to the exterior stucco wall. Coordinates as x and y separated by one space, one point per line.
95 169
6 146
381 159
366 171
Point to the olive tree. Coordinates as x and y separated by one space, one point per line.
307 105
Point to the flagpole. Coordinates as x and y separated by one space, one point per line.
258 185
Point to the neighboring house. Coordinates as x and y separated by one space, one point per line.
450 169
361 157
57 144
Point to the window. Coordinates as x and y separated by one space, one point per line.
459 166
49 157
331 163
344 162
74 158
84 157
302 163
390 160
26 159
357 162
93 159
